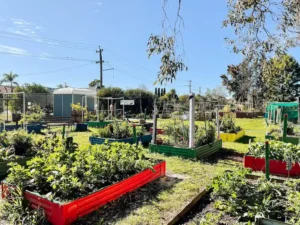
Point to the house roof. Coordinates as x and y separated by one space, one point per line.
5 89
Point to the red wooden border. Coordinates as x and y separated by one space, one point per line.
65 214
276 167
158 130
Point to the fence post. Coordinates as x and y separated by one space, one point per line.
63 131
192 120
267 161
284 127
134 134
154 124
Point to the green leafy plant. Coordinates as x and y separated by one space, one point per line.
278 150
63 175
35 115
78 107
245 199
115 130
227 124
177 133
16 209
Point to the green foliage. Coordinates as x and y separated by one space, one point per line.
62 175
278 151
227 124
177 133
113 92
281 76
35 115
16 209
116 130
245 199
10 78
170 63
77 107
32 88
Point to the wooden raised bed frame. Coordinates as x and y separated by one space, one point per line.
66 213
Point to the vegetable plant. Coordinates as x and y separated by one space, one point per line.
64 175
278 150
116 130
246 199
227 124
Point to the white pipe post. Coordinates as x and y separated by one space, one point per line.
123 109
154 124
24 106
192 121
218 123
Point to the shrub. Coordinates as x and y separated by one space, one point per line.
227 124
21 141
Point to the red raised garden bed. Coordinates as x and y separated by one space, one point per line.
66 213
158 131
276 167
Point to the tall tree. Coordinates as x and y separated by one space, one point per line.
240 80
94 83
263 26
11 79
32 88
281 77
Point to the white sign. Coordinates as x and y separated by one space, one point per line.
127 102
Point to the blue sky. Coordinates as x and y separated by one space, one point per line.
122 29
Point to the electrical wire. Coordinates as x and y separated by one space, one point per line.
54 71
39 39
49 57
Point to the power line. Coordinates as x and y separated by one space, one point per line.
49 57
58 70
52 41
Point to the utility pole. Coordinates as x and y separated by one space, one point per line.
199 91
101 65
190 86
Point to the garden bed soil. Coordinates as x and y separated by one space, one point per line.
232 137
145 139
66 213
198 153
4 167
276 167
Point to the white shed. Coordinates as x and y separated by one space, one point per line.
64 97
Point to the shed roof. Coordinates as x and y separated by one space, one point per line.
76 91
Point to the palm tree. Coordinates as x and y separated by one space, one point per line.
10 78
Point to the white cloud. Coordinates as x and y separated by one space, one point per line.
12 50
98 3
20 22
23 27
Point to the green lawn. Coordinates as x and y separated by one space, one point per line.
160 201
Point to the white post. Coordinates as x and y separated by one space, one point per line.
123 110
192 120
154 124
218 123
24 106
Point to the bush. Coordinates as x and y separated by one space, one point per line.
21 141
227 124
